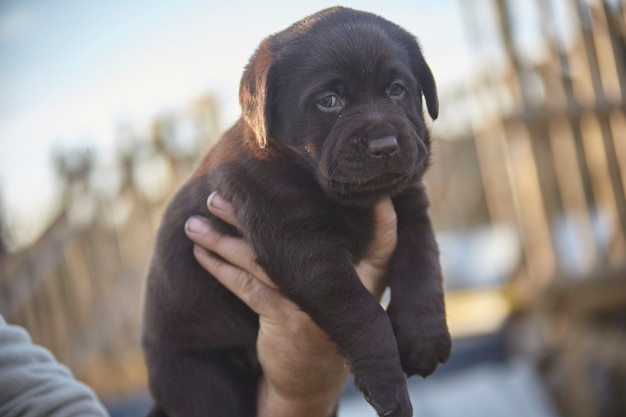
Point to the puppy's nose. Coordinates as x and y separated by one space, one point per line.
383 147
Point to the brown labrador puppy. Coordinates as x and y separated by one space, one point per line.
332 122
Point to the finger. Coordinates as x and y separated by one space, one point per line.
385 233
373 268
233 249
222 209
262 299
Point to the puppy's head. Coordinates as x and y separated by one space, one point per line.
343 89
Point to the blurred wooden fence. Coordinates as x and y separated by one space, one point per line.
78 288
548 125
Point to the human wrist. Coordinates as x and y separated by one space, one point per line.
272 403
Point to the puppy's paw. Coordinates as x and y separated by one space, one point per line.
423 344
389 399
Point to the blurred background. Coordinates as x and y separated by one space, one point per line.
106 106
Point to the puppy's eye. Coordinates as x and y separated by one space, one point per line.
330 102
396 90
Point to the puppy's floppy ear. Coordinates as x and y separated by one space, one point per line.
422 72
429 88
254 93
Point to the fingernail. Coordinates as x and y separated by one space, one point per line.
216 201
196 225
200 251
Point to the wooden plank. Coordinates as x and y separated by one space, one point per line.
605 292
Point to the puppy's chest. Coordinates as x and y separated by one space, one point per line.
347 229
279 199
359 230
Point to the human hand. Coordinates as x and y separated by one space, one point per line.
303 370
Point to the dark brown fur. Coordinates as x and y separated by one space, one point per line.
303 178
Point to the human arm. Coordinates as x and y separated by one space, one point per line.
34 384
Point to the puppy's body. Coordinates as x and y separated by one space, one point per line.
332 122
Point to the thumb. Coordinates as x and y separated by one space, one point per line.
385 234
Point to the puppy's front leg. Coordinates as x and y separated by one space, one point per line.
416 308
320 279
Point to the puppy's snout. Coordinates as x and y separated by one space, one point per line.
383 147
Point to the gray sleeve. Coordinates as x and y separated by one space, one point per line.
34 384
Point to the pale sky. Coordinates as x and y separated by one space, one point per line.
72 70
